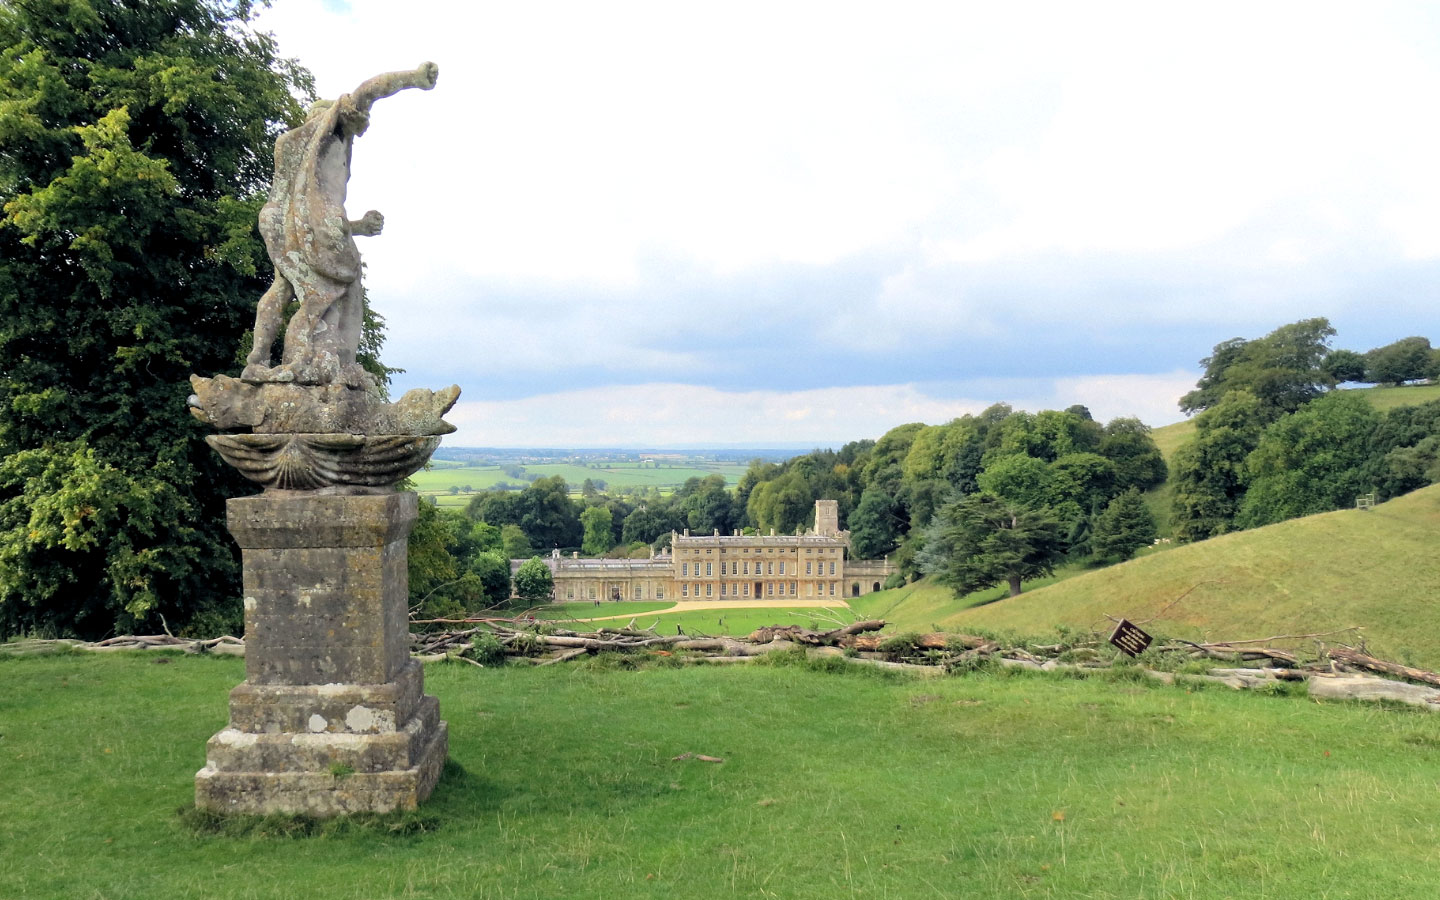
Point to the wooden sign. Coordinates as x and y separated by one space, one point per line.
1129 639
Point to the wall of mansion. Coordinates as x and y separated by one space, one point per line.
736 566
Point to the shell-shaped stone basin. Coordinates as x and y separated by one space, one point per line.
305 462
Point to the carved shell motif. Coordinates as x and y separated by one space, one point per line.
305 462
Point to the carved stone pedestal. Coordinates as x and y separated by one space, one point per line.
332 717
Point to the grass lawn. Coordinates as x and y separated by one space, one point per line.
588 609
1387 398
851 784
744 621
1168 438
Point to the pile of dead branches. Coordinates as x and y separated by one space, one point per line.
225 644
542 644
1339 671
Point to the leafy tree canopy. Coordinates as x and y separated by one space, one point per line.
135 143
982 540
1123 527
1284 369
1408 359
595 520
1309 461
1345 365
533 581
1127 443
1209 473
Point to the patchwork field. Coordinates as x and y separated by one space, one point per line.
565 782
617 476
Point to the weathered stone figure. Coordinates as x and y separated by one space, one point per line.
310 243
332 717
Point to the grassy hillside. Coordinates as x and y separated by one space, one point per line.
922 606
1375 569
1384 398
567 782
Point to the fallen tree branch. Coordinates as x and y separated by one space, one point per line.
563 657
1352 657
835 637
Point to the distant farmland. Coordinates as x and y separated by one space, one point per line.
619 475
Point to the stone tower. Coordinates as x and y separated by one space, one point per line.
827 518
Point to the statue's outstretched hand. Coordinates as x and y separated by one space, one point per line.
428 73
368 224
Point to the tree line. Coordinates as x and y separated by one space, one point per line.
1068 486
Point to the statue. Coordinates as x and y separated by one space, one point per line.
332 717
318 420
310 242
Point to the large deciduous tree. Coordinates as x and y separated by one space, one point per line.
1408 359
1138 463
533 581
1209 472
135 144
597 537
983 540
1309 461
1284 370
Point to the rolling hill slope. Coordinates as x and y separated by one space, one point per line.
1378 569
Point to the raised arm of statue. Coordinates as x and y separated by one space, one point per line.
382 86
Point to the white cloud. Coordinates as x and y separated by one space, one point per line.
668 414
905 188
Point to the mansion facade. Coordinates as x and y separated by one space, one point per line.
807 566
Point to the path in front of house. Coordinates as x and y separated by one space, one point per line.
692 605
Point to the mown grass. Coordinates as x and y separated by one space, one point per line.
744 621
562 784
588 609
1387 398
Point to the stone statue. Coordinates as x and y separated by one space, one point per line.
318 420
310 243
332 717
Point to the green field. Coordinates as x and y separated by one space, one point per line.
618 476
834 784
732 621
561 611
744 621
1385 398
1377 569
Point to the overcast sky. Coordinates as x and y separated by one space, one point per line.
624 224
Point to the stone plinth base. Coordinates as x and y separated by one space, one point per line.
323 774
332 717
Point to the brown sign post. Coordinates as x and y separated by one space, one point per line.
1130 639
